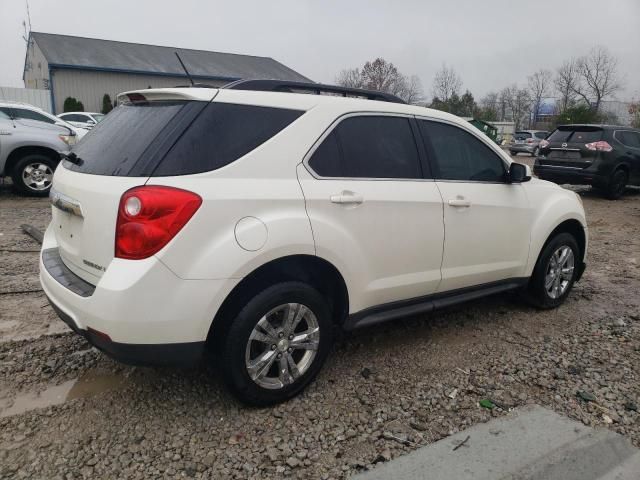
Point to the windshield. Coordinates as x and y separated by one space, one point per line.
98 117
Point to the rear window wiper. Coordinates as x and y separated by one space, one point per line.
72 157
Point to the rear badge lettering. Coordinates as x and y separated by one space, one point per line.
94 265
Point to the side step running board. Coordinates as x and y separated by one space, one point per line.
429 303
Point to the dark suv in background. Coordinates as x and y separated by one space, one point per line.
604 156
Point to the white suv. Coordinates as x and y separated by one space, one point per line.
250 222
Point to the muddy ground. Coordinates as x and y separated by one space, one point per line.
68 411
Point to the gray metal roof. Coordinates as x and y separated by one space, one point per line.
94 54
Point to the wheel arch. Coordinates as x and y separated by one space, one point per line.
20 152
315 271
572 226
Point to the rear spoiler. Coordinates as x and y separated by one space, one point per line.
159 94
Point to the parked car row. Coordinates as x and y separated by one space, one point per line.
30 151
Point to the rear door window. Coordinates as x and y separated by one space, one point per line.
458 155
380 147
221 134
628 138
326 160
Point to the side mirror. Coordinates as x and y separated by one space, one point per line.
519 173
91 122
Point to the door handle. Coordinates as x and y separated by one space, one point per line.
459 202
346 198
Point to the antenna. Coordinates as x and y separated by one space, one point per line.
185 69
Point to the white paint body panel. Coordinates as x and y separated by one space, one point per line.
403 241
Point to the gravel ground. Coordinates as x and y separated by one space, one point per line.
67 411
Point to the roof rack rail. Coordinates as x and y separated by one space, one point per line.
317 88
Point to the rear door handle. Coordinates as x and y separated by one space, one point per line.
347 197
459 202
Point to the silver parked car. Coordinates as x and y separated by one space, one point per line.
30 152
527 141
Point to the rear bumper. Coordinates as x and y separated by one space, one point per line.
522 148
571 176
139 312
168 354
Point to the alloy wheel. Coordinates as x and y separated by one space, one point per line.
559 272
282 346
37 176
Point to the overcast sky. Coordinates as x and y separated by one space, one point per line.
491 43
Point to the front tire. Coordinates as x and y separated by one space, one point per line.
555 272
32 175
617 185
277 344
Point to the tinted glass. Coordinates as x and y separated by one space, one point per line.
575 135
378 147
113 147
458 155
325 161
31 115
98 117
541 135
628 138
3 115
221 134
73 117
522 135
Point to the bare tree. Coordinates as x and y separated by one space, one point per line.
539 87
446 83
503 103
411 91
351 78
598 73
519 102
566 82
490 105
382 76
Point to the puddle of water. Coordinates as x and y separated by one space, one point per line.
89 384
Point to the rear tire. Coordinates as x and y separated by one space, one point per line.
33 174
259 344
617 185
555 272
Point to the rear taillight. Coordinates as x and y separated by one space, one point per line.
149 217
529 140
543 144
600 146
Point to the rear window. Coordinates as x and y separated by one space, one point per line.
221 134
580 135
176 138
522 135
117 145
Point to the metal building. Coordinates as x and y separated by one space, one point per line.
87 68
